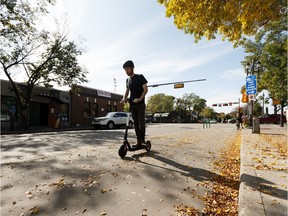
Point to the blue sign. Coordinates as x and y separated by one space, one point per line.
251 84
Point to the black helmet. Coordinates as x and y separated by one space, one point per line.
128 63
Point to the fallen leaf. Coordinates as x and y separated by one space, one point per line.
34 210
274 202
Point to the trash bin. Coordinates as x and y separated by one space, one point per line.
256 125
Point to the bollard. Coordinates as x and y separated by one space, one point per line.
256 125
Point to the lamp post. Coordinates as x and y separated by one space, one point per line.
250 69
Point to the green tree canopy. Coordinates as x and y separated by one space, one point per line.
270 47
190 101
208 112
233 19
199 104
160 103
18 17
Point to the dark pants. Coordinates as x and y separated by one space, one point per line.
138 115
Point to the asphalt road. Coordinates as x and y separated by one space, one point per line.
80 172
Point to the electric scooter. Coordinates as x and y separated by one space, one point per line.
127 147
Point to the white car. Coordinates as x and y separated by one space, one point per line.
213 121
112 120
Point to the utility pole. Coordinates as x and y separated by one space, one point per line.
115 84
250 69
263 108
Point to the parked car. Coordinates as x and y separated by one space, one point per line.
232 121
213 121
271 119
149 118
112 120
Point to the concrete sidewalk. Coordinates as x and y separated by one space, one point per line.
263 181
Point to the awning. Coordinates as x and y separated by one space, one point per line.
57 100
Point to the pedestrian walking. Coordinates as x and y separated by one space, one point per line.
239 120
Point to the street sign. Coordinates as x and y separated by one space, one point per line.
178 85
251 97
251 84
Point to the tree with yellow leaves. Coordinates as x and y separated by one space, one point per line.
233 19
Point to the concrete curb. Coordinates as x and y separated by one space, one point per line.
262 191
250 200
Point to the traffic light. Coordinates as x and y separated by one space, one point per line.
244 97
225 104
214 105
178 85
230 104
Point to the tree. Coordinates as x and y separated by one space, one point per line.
160 103
185 103
270 47
199 104
233 19
17 17
44 58
190 102
208 112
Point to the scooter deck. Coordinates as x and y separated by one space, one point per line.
137 148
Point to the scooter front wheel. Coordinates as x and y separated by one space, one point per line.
122 151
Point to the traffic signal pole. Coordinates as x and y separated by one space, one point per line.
179 82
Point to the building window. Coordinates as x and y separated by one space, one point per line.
8 108
94 110
109 108
86 109
114 108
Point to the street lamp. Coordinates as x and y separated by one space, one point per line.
250 69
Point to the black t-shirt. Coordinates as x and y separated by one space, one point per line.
135 84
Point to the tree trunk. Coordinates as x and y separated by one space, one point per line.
281 115
23 117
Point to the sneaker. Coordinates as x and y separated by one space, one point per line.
137 145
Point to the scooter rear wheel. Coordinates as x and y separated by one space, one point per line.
148 146
122 151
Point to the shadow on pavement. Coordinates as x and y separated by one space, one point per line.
262 185
197 174
38 145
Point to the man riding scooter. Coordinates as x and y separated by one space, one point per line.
136 85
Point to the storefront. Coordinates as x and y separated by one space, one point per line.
90 103
46 107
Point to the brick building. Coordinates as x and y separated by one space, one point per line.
49 105
90 103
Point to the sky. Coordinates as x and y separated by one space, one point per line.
116 31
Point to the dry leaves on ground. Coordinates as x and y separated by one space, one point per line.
277 149
223 200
